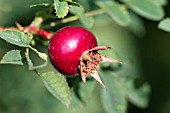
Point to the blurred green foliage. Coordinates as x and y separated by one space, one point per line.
22 90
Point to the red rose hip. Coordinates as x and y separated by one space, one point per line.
73 51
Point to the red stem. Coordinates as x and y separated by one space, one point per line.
45 34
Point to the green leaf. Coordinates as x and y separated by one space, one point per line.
76 10
113 98
116 11
85 91
87 22
146 8
30 64
61 8
160 2
57 85
165 25
16 37
12 57
138 96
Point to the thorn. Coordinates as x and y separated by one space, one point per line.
96 76
19 26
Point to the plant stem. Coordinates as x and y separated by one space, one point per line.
31 28
95 12
75 17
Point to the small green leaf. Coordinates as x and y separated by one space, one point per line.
116 11
138 96
61 8
87 22
165 25
76 10
12 57
146 8
85 91
113 98
30 64
57 85
16 37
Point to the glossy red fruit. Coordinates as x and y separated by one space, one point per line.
73 51
67 46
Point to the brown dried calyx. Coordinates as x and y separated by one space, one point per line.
89 63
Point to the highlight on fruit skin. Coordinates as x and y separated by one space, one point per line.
73 50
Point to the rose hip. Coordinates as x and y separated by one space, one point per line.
73 51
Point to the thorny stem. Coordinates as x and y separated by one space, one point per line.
48 35
31 28
45 34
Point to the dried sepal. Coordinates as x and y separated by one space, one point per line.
90 61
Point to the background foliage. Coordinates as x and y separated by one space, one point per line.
23 91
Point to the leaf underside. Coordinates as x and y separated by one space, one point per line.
57 85
146 8
15 37
116 11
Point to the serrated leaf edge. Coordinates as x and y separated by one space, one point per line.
12 31
1 62
56 11
62 77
